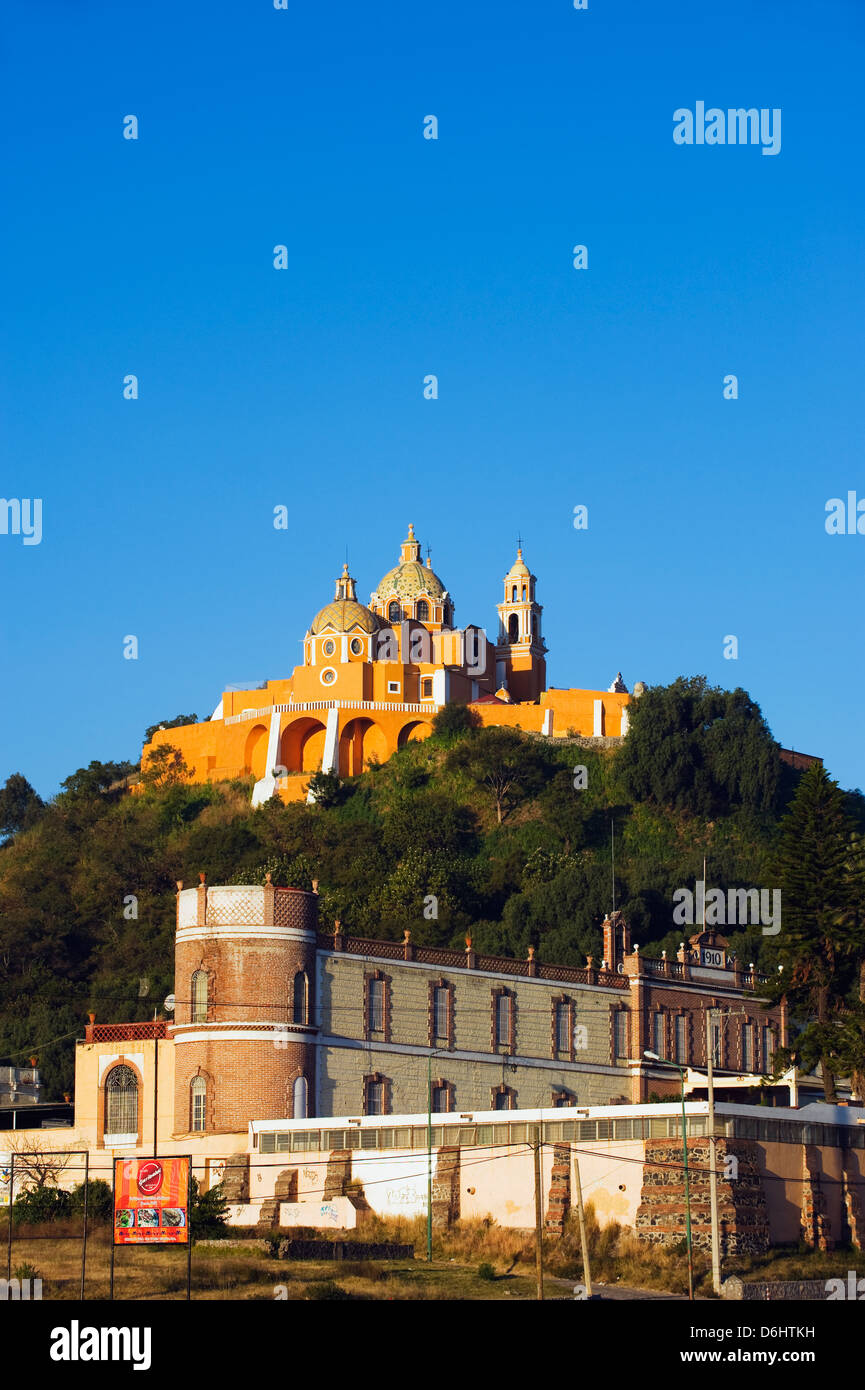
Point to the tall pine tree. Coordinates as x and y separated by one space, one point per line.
820 943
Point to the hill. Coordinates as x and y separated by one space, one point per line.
501 835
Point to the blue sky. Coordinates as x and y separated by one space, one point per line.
408 256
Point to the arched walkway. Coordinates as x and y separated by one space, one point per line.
360 742
301 747
414 730
255 751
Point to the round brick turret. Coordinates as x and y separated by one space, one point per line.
245 1016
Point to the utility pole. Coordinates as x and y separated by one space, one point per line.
539 1212
713 1176
584 1244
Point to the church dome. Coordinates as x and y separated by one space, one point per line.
410 578
519 569
345 615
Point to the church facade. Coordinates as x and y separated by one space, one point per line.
373 677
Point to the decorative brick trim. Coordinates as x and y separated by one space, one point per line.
568 1053
496 994
615 1010
120 1061
304 1022
448 1087
209 1100
503 1090
434 1038
368 977
374 1078
559 1096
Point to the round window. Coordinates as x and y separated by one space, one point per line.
356 646
329 647
328 676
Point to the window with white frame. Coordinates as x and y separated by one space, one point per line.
376 1006
121 1101
198 1096
199 996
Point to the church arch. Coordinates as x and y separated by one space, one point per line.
255 751
361 742
415 729
301 746
513 628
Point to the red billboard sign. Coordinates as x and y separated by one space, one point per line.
151 1201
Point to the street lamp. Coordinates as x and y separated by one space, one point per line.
653 1057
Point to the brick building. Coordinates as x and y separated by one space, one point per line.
275 1019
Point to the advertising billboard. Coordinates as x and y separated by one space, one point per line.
151 1201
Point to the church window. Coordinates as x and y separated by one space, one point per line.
198 1097
513 628
356 646
328 676
121 1101
394 612
524 593
514 594
329 647
199 996
423 611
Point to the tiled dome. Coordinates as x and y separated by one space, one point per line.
409 579
345 615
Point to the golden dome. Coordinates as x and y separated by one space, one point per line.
519 569
410 578
345 615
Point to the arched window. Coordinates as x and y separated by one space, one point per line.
301 1098
299 1009
514 594
121 1101
394 612
198 1104
422 611
513 628
199 997
524 593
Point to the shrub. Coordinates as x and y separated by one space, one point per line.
486 1271
99 1199
39 1205
207 1212
327 1290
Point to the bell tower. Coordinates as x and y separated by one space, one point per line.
520 651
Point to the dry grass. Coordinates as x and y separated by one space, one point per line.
241 1270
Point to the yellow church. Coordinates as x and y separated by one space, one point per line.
374 676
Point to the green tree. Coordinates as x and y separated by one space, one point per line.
165 767
19 805
452 721
328 789
821 941
697 748
208 1212
507 766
